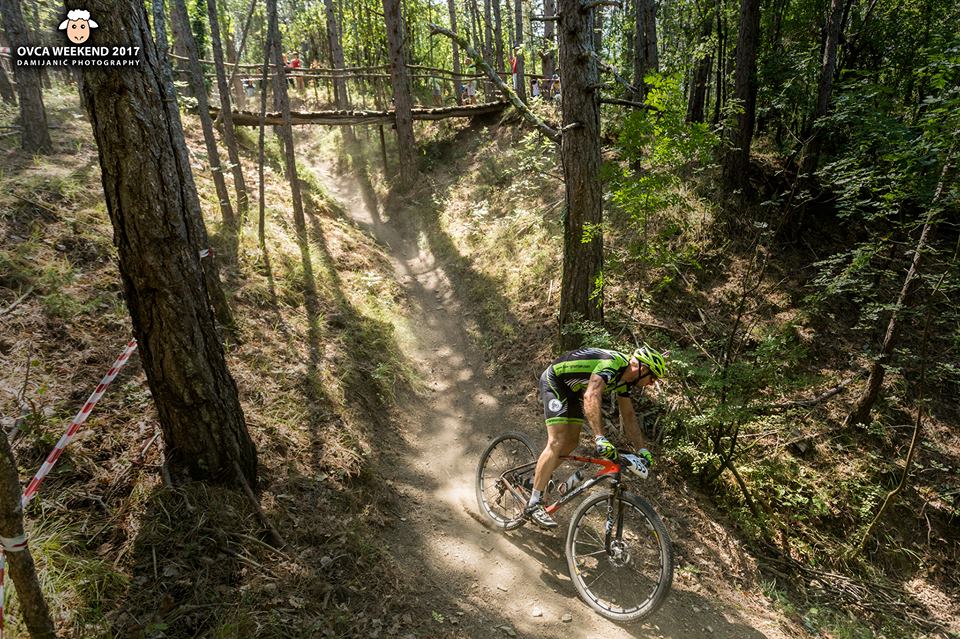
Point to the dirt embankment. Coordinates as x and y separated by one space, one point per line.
478 582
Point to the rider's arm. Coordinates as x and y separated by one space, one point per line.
592 398
628 419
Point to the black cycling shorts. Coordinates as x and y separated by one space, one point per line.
560 404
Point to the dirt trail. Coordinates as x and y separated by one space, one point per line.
485 583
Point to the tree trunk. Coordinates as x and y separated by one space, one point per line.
720 93
149 204
498 36
218 299
34 135
580 152
7 94
226 111
646 59
511 39
598 29
457 80
861 410
517 48
550 40
236 84
401 94
811 156
235 71
286 134
701 76
488 32
34 608
181 27
336 56
736 160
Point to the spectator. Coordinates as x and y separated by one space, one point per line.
556 86
517 54
437 95
534 88
295 67
472 91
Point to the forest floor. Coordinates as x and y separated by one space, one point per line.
517 584
369 419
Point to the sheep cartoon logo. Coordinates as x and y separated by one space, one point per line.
78 25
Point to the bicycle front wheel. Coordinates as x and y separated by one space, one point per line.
625 577
505 468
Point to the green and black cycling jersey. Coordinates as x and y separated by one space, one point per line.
574 369
563 383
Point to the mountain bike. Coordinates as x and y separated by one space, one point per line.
618 551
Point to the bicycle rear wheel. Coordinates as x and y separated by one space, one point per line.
505 467
631 578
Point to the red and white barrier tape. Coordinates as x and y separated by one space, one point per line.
18 544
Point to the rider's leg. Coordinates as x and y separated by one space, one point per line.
562 439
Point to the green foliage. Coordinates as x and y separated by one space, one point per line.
657 150
590 333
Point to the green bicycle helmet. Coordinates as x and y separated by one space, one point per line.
654 360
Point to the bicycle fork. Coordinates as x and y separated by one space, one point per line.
613 530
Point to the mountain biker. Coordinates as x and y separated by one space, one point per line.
571 389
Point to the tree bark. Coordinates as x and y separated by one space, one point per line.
335 42
211 272
401 94
861 410
457 80
550 39
580 152
646 59
236 84
720 93
226 111
33 606
736 160
701 76
828 66
155 231
598 29
498 36
517 48
7 94
34 134
488 32
286 134
181 27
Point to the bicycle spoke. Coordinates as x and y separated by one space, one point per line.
623 577
596 579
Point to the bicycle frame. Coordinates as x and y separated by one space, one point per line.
610 470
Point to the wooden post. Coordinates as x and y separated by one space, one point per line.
36 614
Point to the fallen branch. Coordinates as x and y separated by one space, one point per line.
14 305
806 403
743 487
345 117
36 204
262 516
528 115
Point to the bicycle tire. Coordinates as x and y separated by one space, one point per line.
517 449
580 572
